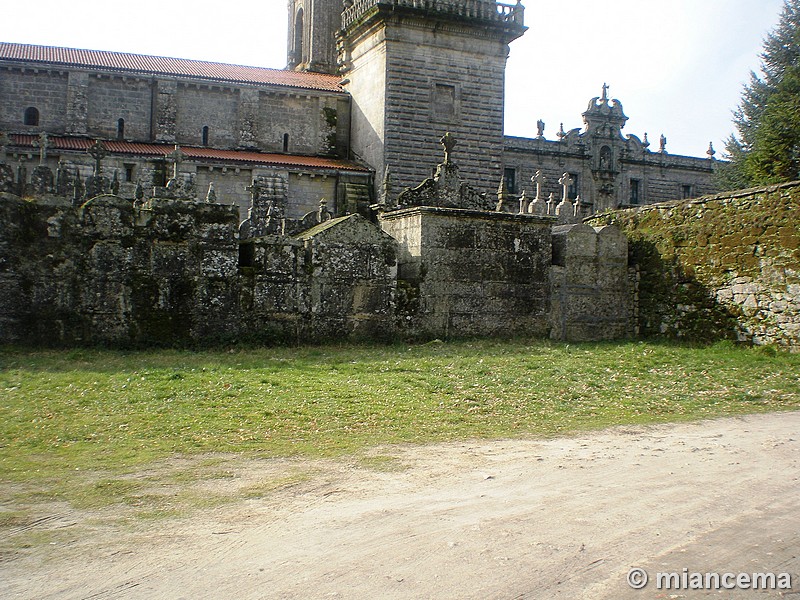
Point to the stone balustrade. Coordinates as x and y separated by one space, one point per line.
476 9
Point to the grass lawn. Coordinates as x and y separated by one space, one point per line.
75 424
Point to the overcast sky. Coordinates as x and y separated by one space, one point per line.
677 66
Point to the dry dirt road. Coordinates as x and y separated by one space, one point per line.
558 518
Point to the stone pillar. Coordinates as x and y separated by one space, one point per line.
77 103
248 118
165 110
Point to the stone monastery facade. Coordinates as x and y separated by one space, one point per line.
370 87
180 199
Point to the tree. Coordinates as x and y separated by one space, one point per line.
767 148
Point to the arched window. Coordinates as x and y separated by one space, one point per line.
285 142
31 116
205 135
298 37
121 129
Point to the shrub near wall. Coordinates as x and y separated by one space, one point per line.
724 266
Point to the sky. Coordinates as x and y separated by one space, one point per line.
677 66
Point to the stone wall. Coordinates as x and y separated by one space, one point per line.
724 266
592 293
468 272
334 281
168 272
171 110
109 272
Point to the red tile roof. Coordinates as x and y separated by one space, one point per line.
204 154
159 65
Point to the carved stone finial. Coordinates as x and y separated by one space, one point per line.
323 214
540 128
645 142
42 143
448 140
386 187
98 153
502 195
176 156
538 180
561 133
604 98
523 203
566 181
711 152
663 144
211 195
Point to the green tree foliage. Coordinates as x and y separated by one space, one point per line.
767 147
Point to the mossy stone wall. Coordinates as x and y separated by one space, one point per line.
723 266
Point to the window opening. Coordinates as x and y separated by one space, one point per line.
31 116
634 198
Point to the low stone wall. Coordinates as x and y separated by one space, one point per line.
107 272
592 293
468 272
167 272
334 281
723 266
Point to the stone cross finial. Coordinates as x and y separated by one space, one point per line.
323 214
42 144
176 156
449 142
211 195
605 92
565 182
538 180
98 153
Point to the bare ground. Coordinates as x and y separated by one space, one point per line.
558 518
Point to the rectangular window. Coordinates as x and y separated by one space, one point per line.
510 177
128 172
687 191
572 191
635 186
444 102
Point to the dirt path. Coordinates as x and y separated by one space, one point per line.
563 518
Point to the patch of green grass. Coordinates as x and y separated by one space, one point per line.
77 425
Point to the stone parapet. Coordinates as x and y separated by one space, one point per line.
486 10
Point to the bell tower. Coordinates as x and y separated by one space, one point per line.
416 70
312 35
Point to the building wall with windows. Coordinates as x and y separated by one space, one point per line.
606 169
